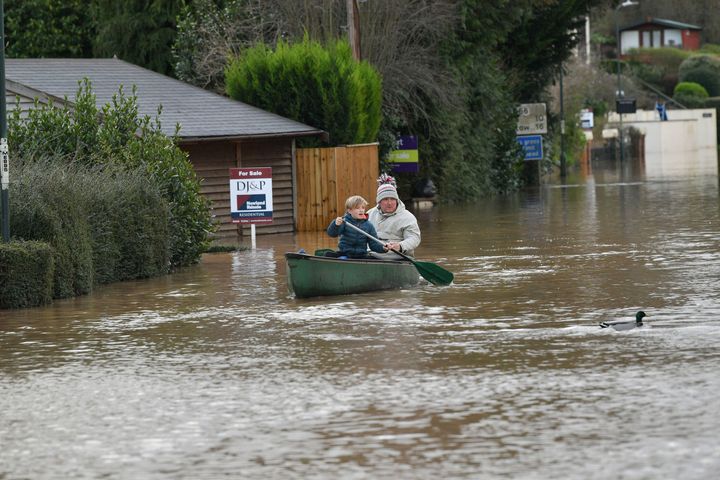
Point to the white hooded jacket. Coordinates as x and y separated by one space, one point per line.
400 226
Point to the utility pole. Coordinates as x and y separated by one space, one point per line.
620 94
563 163
4 157
353 28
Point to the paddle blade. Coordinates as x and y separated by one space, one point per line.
433 273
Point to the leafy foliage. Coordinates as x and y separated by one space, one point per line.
452 70
322 87
104 224
657 66
26 272
542 37
702 69
45 208
47 28
209 33
710 48
137 31
690 94
668 58
691 88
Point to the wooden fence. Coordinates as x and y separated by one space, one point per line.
326 177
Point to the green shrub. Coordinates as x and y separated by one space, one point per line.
44 206
26 274
657 66
105 224
702 69
690 88
128 220
322 87
689 100
667 58
710 48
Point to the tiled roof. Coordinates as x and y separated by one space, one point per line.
202 115
663 23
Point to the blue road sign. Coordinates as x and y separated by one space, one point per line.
533 146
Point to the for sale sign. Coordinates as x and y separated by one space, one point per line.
251 195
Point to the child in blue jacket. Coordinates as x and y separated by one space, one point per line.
354 244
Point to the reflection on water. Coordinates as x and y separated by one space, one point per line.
217 371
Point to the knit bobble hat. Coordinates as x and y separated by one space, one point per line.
387 191
386 188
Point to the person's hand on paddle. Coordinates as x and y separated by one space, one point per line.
393 246
339 221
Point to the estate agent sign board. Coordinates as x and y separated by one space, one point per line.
251 195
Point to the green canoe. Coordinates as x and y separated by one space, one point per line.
312 276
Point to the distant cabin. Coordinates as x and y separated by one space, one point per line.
656 33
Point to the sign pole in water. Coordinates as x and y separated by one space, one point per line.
251 197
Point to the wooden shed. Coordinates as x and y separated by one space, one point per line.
217 132
658 32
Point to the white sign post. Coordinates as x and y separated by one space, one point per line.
587 120
251 197
532 119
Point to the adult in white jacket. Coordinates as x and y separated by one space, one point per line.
394 224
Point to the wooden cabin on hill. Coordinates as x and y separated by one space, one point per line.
657 33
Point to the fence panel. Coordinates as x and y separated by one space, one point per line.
327 176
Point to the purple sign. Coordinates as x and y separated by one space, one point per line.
404 158
407 142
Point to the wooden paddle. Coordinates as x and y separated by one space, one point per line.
431 272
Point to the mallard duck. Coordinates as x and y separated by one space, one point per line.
626 324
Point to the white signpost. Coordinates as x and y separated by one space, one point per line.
587 120
532 119
251 197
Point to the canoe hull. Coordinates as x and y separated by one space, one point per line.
311 276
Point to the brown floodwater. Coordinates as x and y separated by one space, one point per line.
216 371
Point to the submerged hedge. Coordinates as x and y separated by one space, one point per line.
76 226
26 274
104 224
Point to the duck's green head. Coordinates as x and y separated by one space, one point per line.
639 316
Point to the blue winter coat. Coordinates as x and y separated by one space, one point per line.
353 243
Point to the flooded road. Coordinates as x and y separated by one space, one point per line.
216 372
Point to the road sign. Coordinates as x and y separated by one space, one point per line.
532 119
587 119
625 105
533 146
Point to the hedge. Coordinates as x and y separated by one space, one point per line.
105 224
26 274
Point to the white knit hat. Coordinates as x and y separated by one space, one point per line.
387 191
386 188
